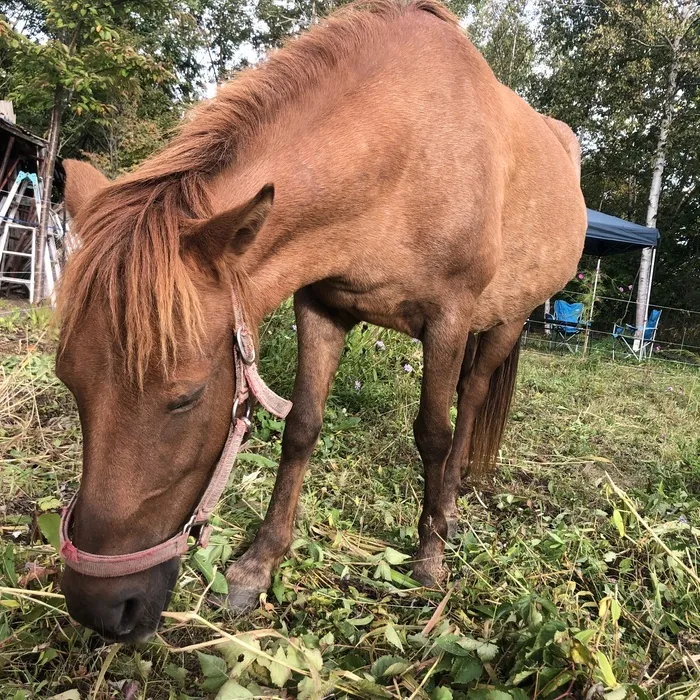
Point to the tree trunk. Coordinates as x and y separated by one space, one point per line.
47 187
655 191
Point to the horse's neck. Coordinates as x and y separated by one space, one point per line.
283 261
305 237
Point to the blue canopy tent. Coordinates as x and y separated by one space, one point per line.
609 235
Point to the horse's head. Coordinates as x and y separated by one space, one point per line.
147 351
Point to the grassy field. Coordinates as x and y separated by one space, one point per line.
574 575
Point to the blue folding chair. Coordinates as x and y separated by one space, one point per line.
567 322
627 334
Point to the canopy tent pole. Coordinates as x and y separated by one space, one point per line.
590 315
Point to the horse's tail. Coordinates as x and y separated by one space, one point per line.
493 415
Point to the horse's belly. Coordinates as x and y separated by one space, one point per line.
387 305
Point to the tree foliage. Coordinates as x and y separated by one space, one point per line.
608 76
129 68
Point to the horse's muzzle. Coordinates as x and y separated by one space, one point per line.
125 609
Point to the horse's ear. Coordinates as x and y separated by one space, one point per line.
82 182
231 231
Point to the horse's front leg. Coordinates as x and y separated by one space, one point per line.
321 336
443 351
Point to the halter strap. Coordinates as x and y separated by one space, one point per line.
249 385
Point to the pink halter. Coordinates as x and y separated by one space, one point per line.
248 384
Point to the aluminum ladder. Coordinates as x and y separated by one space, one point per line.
9 223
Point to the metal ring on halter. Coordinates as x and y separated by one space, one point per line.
188 526
246 417
247 359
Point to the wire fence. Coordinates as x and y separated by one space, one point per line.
545 337
677 327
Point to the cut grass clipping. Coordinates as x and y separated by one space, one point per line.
575 573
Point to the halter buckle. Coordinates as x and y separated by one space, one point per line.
246 348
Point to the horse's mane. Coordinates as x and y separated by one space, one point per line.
130 259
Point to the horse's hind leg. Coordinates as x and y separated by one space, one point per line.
443 350
484 359
321 335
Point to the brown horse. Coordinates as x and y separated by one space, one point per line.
411 190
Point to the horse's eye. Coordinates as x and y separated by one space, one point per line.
185 403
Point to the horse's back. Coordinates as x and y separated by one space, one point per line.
494 185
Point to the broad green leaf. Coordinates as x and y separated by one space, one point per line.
177 673
314 658
465 669
617 694
606 670
392 637
361 621
449 643
233 691
219 585
389 666
518 694
202 558
49 524
580 653
520 677
618 522
394 557
212 666
144 666
441 693
559 680
584 636
279 589
383 571
48 503
641 693
347 423
253 458
279 671
615 610
487 651
488 694
47 655
240 653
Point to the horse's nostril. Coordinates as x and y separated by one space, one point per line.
130 616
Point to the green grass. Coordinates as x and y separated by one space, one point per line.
562 586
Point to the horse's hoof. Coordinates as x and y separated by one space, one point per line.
241 600
428 574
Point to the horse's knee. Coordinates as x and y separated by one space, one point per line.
301 433
433 438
